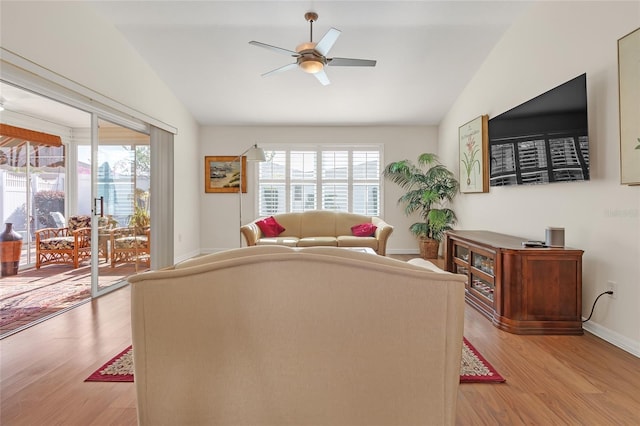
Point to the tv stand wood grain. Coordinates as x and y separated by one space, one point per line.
521 290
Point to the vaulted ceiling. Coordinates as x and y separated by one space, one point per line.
426 52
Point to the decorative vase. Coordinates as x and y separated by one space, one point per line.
10 250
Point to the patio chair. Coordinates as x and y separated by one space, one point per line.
130 244
68 245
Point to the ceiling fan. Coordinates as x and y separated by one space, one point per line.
312 57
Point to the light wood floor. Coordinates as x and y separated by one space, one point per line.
551 380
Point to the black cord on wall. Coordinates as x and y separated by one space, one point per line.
594 303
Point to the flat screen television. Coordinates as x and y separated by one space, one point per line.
543 140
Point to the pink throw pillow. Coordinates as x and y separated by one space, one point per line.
364 230
270 227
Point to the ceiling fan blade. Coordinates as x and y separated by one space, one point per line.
326 42
276 49
281 69
322 77
349 62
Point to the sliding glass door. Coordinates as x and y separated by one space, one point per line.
121 223
97 168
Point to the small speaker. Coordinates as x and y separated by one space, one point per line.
554 237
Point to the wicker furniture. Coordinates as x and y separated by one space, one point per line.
69 245
129 244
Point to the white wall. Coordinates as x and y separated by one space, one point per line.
552 43
220 212
69 39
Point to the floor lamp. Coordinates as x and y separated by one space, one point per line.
254 153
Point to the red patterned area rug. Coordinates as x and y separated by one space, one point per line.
34 295
473 369
23 304
118 369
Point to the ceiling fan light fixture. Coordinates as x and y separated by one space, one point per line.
311 57
311 65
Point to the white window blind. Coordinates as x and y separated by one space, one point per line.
345 178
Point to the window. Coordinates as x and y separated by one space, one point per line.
341 178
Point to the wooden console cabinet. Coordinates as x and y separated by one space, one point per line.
521 290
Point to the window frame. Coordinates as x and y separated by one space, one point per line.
288 182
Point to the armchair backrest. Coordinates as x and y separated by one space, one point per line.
80 221
304 336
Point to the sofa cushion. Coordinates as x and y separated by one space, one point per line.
131 242
318 223
278 241
351 241
364 230
57 243
317 241
270 227
291 223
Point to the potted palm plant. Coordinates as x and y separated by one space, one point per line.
430 187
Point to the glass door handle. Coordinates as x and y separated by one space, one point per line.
95 206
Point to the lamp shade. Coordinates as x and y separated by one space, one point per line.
256 154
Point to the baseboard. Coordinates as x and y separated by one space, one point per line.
624 343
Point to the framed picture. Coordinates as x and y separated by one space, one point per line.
629 93
473 140
222 173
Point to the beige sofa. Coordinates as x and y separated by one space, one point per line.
271 335
321 228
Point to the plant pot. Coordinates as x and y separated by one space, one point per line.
10 250
429 248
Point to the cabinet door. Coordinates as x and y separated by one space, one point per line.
482 280
552 287
461 260
461 269
461 252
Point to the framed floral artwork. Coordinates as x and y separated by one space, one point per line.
629 88
473 140
222 173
